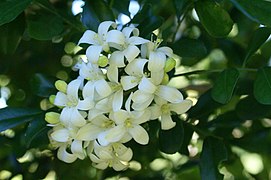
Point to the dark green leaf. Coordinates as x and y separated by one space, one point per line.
258 39
94 12
190 48
180 5
11 35
44 26
42 85
250 108
256 10
121 6
34 130
214 18
224 85
262 86
213 153
188 132
170 141
11 117
10 9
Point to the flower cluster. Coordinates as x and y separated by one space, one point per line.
121 86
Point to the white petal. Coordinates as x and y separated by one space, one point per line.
76 118
88 90
117 100
170 94
181 107
113 73
137 40
73 87
102 165
102 88
120 116
88 132
127 31
131 52
116 37
155 111
141 96
117 58
139 134
61 135
104 27
89 37
95 159
144 116
157 61
166 122
77 149
85 104
65 116
93 52
157 77
166 50
112 135
136 67
129 82
127 155
142 106
61 99
93 113
128 102
63 155
147 86
119 166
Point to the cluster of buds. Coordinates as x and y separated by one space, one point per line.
121 86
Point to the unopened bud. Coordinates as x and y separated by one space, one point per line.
170 64
4 80
69 47
165 79
61 86
52 99
103 61
66 61
52 117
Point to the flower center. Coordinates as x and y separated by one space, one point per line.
72 101
128 123
165 108
108 124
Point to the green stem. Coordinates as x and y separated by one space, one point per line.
59 15
213 71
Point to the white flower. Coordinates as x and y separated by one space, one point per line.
97 41
147 91
96 81
126 45
72 104
127 124
157 56
163 109
115 155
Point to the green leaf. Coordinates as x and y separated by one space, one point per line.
213 153
42 85
34 130
11 117
258 39
189 48
121 6
11 35
250 108
10 9
180 5
188 133
262 86
214 18
224 85
170 141
94 12
257 10
44 26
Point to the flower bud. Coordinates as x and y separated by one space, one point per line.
165 79
4 80
61 86
66 61
170 64
52 99
103 61
69 47
52 117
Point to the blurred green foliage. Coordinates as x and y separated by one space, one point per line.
225 64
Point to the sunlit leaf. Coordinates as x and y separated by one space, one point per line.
170 141
262 86
10 9
224 85
214 18
256 10
213 153
12 117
